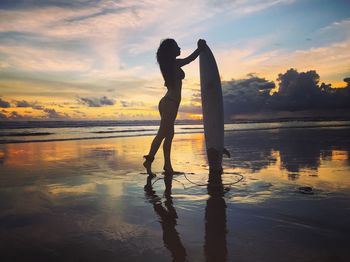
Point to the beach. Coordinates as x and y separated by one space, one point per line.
84 200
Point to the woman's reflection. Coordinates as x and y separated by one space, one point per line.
168 217
215 221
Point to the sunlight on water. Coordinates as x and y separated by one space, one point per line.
92 191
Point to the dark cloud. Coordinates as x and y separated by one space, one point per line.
53 114
96 102
246 95
4 104
296 92
301 91
23 104
33 105
50 114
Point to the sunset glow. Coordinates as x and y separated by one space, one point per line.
96 60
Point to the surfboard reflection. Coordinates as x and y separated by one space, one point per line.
168 218
215 248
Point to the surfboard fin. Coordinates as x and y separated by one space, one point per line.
226 152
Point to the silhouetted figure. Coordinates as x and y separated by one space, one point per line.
168 217
215 249
170 68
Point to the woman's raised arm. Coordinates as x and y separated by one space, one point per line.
184 61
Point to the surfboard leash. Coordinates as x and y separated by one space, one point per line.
204 184
223 184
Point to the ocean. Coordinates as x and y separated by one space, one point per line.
40 131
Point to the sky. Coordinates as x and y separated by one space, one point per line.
89 59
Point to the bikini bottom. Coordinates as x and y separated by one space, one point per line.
166 99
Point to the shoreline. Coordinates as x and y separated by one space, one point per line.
23 124
189 131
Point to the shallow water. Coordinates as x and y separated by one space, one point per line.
50 131
84 200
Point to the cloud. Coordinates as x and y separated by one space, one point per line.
42 59
24 103
50 113
88 47
246 95
297 91
125 103
337 31
302 91
4 104
106 30
60 38
196 97
3 116
96 102
53 114
78 112
191 109
329 59
15 115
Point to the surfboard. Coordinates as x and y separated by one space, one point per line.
212 109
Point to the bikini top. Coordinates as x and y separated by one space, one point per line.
180 74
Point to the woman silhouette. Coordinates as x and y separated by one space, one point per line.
170 68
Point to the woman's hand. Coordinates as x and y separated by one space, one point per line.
201 44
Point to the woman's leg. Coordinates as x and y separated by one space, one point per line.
171 116
167 148
168 112
157 140
154 148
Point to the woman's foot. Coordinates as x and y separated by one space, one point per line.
171 171
148 165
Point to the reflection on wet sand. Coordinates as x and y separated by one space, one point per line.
215 246
76 200
168 218
297 154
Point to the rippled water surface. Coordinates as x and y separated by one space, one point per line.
84 200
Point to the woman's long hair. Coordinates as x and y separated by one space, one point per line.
166 59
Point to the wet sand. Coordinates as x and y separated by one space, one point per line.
85 200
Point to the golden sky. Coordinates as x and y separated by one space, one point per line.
96 60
